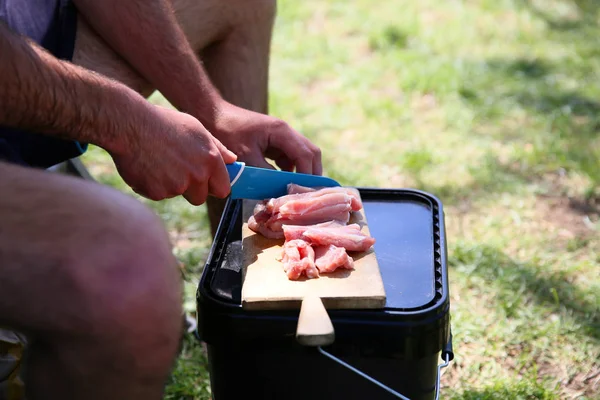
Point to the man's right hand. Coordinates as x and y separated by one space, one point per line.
159 152
172 154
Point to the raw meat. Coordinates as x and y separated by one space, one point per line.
298 259
319 205
258 222
300 209
329 258
314 225
296 231
292 188
276 223
349 237
264 229
356 202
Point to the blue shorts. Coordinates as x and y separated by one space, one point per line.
52 24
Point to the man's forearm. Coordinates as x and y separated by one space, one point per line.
41 93
146 34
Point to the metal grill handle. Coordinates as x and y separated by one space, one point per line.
447 357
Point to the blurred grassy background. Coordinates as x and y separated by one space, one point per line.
493 106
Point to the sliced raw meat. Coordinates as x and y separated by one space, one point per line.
276 224
269 216
258 222
273 205
313 205
261 214
349 237
298 259
292 188
329 258
265 229
356 202
293 232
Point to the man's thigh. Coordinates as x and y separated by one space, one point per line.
202 21
68 248
59 237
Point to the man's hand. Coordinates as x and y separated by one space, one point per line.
255 137
161 153
173 154
129 27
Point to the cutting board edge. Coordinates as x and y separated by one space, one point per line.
330 303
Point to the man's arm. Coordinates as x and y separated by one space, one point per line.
159 152
146 34
41 93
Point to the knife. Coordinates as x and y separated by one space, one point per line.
261 183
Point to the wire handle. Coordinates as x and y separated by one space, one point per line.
446 357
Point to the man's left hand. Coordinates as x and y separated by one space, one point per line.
256 137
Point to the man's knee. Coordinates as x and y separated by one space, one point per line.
100 265
133 290
114 279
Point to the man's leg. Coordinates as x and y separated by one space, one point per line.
232 37
238 66
88 274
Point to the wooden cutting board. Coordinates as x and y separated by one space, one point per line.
267 287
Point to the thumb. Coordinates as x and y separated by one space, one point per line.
227 155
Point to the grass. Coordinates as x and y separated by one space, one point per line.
494 106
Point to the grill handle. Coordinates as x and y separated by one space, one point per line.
447 356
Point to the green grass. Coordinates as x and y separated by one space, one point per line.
494 106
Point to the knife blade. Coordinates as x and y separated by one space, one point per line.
261 183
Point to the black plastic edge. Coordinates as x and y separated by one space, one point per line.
233 208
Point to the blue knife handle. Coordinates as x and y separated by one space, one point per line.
235 171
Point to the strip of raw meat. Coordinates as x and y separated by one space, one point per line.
301 211
298 258
356 202
329 258
292 188
311 205
260 213
273 205
264 229
258 222
349 237
328 204
277 222
293 232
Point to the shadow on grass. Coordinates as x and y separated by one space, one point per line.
521 282
587 10
561 121
549 107
525 102
558 127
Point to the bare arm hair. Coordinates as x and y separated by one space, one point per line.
38 92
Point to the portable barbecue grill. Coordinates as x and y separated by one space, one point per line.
394 352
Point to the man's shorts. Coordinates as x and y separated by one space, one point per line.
12 346
51 24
